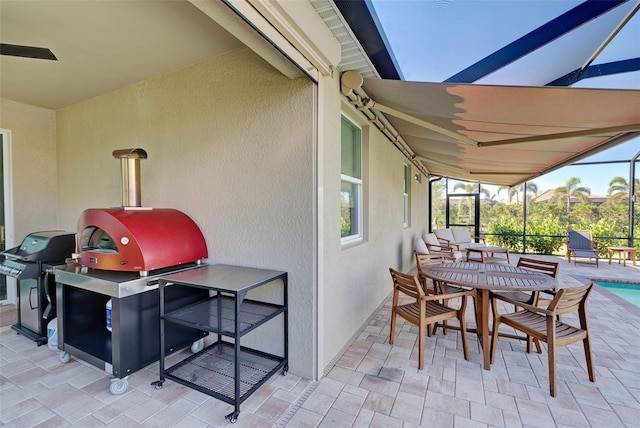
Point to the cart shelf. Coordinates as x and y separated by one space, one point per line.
217 315
212 371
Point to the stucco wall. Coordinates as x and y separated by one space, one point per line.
356 278
231 144
33 146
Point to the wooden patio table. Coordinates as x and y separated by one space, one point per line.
622 254
485 278
487 254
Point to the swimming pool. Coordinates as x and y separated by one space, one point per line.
629 292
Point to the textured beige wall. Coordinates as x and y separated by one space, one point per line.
356 278
33 159
231 144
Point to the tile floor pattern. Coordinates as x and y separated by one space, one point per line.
371 384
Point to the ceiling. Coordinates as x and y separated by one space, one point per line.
101 46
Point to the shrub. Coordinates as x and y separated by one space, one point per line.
553 237
505 233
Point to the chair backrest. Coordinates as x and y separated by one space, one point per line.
419 246
425 259
431 239
570 300
461 235
406 284
543 266
580 239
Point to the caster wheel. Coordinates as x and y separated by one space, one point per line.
285 370
197 346
119 386
157 384
64 357
232 417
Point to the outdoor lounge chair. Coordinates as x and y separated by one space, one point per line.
458 237
580 244
423 309
433 246
543 324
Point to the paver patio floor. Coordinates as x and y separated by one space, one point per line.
370 383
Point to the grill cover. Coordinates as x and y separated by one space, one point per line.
135 239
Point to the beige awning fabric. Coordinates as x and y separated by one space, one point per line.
503 135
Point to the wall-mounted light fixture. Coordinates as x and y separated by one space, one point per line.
418 178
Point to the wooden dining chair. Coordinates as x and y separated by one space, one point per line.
531 298
423 309
543 324
435 287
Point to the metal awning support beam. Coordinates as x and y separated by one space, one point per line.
424 124
561 135
350 82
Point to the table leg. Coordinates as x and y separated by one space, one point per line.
482 320
624 258
610 254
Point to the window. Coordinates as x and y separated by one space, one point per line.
407 181
351 182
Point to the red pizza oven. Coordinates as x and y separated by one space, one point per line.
126 239
136 239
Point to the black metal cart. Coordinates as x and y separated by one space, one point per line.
225 369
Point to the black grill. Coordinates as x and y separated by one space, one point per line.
32 264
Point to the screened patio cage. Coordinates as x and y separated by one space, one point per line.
535 218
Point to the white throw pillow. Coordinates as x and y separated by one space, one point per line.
420 247
444 234
431 239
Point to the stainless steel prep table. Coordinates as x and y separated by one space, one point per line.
225 369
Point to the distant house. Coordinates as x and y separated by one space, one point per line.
549 196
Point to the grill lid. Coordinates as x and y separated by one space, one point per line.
45 246
23 261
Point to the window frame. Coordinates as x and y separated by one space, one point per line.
406 195
358 182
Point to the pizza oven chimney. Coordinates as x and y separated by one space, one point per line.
130 171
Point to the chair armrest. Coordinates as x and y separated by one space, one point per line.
480 238
440 249
531 308
468 293
445 243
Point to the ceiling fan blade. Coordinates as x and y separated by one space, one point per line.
26 51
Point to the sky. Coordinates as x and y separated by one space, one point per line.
432 40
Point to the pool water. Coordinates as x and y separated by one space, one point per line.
629 292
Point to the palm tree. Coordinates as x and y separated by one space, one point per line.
571 190
619 189
470 188
532 188
511 191
516 190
